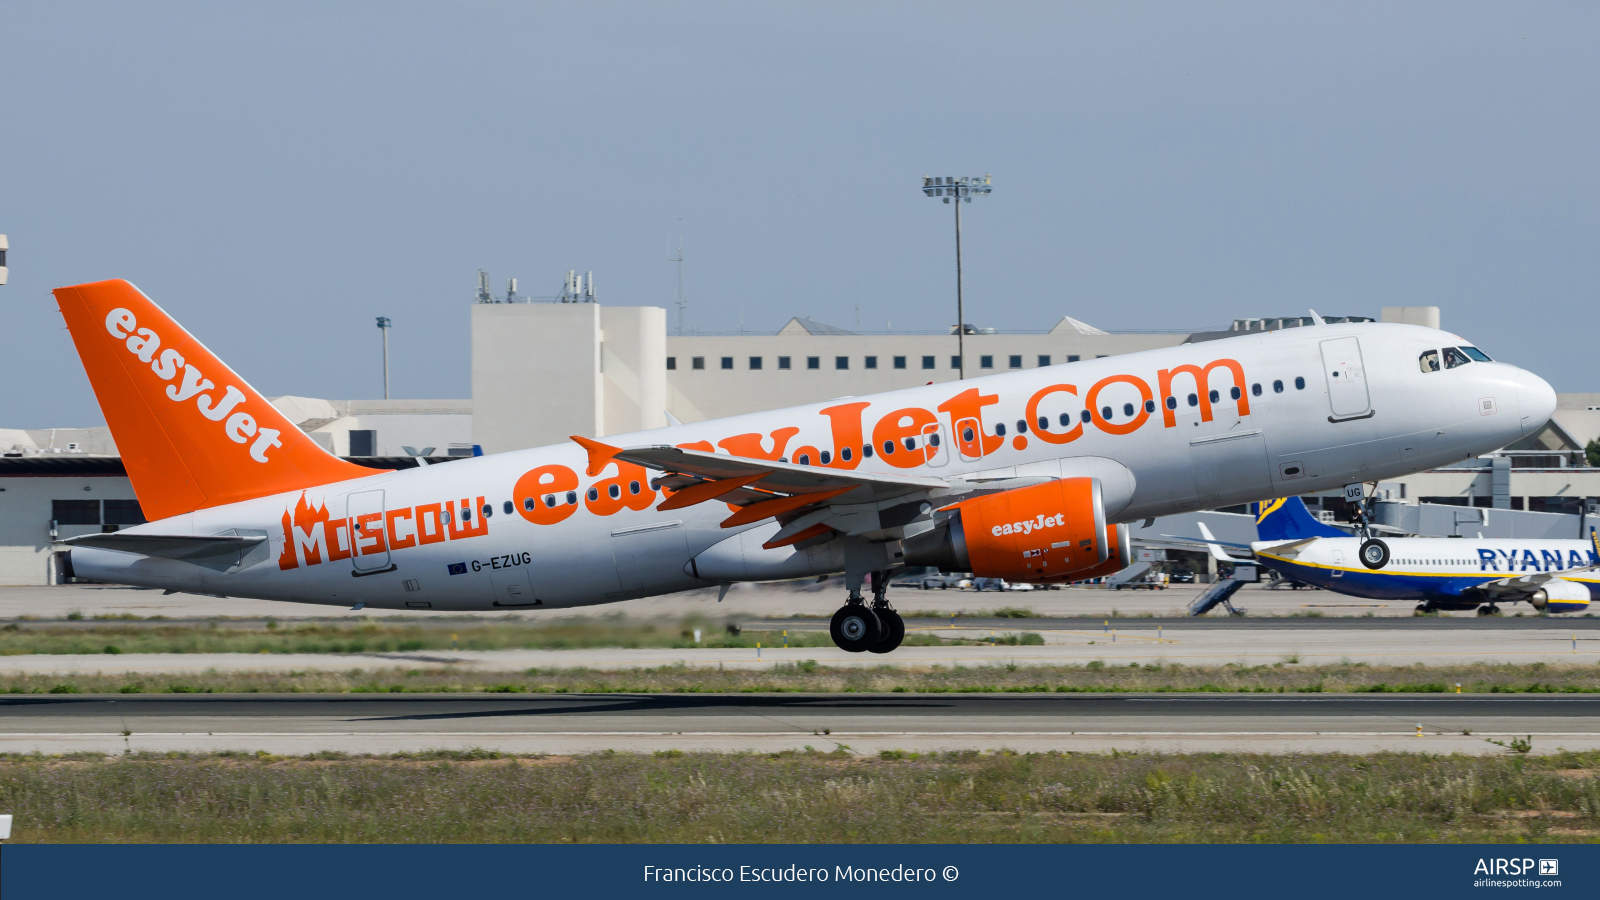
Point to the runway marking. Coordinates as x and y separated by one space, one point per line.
835 734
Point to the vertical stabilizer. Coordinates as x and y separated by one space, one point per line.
1288 519
192 434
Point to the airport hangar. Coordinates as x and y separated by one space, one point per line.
622 370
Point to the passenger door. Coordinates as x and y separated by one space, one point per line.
369 542
1347 378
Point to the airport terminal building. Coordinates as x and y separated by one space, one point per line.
622 370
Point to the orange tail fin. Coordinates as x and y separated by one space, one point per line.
192 434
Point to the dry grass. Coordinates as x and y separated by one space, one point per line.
811 677
804 797
391 636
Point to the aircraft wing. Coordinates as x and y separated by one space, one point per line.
810 501
1519 585
185 547
777 477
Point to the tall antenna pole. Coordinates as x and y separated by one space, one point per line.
384 325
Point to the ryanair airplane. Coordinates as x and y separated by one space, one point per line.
1439 573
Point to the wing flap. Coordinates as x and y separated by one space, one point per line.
776 476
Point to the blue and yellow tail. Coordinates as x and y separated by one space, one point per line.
1287 519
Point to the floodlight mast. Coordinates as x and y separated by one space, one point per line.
384 325
962 190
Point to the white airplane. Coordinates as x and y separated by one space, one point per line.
1558 576
1022 476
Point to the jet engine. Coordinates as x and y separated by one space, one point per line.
1048 532
1560 596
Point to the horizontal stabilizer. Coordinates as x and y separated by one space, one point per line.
184 547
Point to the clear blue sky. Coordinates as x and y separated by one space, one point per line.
277 175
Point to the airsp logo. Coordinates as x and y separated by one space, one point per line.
1515 867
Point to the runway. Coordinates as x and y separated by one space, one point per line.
1065 642
857 723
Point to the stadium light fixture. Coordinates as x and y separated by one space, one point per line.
960 190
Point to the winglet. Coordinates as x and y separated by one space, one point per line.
599 454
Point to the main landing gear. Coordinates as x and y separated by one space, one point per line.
859 628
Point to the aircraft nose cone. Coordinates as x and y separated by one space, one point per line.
1536 399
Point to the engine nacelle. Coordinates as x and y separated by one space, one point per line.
1048 532
1561 596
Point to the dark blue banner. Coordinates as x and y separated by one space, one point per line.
311 872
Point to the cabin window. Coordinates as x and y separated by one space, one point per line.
1299 383
866 451
1022 426
1127 410
633 487
594 494
888 448
572 498
1214 396
1149 406
825 456
1066 419
1194 400
508 508
615 491
1044 423
1234 392
1255 389
844 453
1105 413
1000 429
1277 387
911 443
1086 416
1172 403
803 459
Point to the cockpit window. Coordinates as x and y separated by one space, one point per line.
1429 361
1454 357
1476 354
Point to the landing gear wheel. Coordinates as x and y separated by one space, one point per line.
1422 609
1374 553
894 631
1488 609
854 628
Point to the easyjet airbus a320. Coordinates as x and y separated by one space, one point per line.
1023 475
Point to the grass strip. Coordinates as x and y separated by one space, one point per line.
17 639
832 797
809 677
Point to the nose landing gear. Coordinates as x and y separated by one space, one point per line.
858 628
